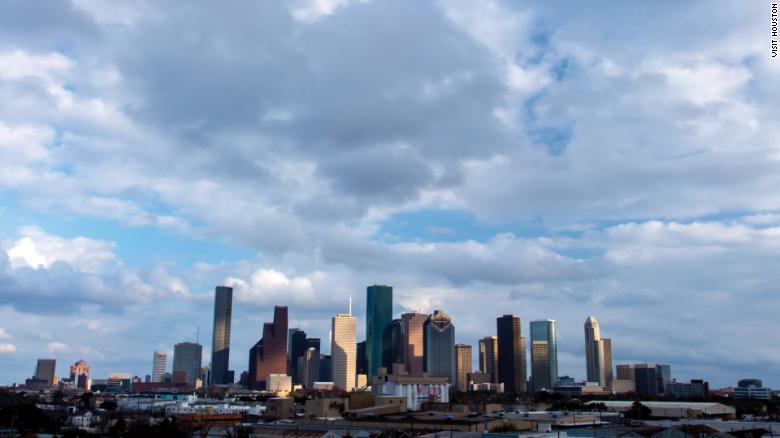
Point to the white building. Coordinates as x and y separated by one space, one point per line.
416 389
279 383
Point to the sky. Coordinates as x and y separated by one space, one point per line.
546 159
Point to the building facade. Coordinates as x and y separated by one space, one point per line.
398 342
343 351
298 347
220 340
488 357
598 354
45 371
439 341
463 367
309 368
544 355
159 364
79 375
269 354
414 347
187 358
361 363
511 354
379 317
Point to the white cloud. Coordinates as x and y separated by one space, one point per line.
7 348
37 248
4 334
57 347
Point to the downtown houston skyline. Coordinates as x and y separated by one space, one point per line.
482 158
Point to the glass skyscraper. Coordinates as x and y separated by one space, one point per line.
544 355
220 342
187 360
439 341
379 317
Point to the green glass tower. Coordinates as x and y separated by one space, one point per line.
379 319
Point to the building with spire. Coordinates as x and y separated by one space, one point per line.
343 352
598 354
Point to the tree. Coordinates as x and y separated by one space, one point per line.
639 411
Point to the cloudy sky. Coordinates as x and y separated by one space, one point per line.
551 160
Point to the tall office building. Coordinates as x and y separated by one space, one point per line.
413 333
398 342
511 354
326 368
220 341
598 354
187 358
79 375
439 342
462 366
544 355
269 354
159 363
313 343
342 351
309 369
45 370
379 317
297 349
488 357
361 363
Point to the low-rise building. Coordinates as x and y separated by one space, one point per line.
415 389
664 409
279 408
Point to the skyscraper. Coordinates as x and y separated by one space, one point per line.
159 363
310 367
379 316
342 351
269 354
462 366
598 354
511 354
187 358
488 357
398 343
45 370
79 374
220 342
413 333
297 349
361 363
439 342
544 355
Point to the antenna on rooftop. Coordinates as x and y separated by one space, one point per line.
197 334
350 305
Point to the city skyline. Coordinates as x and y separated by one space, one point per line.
526 355
483 158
